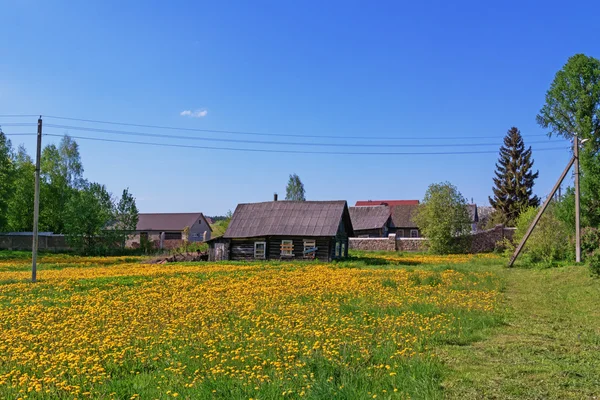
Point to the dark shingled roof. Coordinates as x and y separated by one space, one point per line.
166 221
372 217
402 215
288 218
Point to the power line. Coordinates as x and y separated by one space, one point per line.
277 134
79 128
18 124
291 151
20 134
18 115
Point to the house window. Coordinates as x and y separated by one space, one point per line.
343 253
143 236
195 235
337 248
310 247
287 248
414 233
260 250
172 235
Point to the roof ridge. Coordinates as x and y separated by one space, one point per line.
171 213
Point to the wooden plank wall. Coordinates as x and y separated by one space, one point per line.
274 246
243 249
368 233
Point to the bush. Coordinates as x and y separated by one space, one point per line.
594 262
190 247
147 245
590 240
444 219
549 242
590 248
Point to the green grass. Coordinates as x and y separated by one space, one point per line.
542 343
549 347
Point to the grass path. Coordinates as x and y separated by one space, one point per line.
549 347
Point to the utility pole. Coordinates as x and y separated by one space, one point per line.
540 212
577 197
36 204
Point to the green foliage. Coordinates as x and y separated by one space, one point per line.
594 262
6 179
590 186
20 204
573 101
86 216
219 227
62 176
147 245
190 247
513 184
549 242
590 240
85 212
443 219
590 248
573 108
126 216
564 209
295 189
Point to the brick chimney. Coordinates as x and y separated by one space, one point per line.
275 197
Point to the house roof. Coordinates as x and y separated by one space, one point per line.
369 217
484 213
403 211
391 203
289 218
167 221
402 215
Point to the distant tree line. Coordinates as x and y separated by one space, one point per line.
572 111
93 220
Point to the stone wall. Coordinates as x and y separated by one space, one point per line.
391 243
25 242
373 244
481 242
487 241
411 244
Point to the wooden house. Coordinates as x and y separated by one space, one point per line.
372 221
402 213
285 230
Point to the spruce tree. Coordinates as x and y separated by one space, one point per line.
513 184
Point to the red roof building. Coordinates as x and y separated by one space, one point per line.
390 203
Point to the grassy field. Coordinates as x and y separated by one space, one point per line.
380 325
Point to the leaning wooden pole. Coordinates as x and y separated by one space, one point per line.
539 214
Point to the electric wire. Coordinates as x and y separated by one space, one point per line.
276 134
288 151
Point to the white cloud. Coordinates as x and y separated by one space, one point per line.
201 113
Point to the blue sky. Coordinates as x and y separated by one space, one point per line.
384 69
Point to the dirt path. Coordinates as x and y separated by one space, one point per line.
548 349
